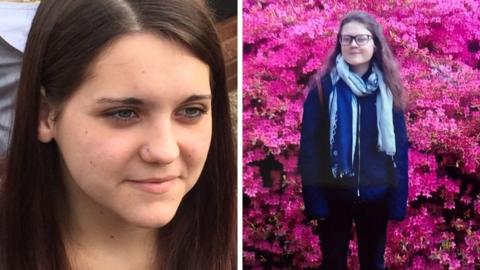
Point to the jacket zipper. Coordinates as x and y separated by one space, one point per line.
358 137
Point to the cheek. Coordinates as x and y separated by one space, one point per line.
370 52
108 155
196 148
103 151
89 150
195 145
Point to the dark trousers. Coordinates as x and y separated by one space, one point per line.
336 231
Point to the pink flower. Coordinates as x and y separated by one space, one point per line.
437 44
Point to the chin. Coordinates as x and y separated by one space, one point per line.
151 224
152 219
356 62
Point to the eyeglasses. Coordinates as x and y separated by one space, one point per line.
361 40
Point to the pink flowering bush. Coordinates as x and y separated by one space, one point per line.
437 44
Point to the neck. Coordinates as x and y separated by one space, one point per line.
360 70
98 239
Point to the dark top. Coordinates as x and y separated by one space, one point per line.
377 175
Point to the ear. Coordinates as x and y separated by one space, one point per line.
46 120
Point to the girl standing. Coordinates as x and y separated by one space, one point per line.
353 150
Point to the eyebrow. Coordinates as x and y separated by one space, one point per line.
123 101
196 98
137 101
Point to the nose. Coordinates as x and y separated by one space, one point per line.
161 144
353 42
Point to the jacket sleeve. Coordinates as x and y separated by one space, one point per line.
310 157
399 187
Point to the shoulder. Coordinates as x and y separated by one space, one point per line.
326 84
312 96
319 87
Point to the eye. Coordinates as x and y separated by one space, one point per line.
345 39
123 114
192 112
362 38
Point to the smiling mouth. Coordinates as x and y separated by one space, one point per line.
153 185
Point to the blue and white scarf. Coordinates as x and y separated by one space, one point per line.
344 114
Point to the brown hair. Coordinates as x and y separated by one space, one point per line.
65 38
382 56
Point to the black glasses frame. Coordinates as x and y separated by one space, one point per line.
347 39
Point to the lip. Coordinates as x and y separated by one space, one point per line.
153 185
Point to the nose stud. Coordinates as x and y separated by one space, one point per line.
145 151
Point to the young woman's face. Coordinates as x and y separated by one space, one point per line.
357 54
135 135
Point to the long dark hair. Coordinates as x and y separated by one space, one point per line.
382 55
65 38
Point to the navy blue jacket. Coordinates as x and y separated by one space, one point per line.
377 176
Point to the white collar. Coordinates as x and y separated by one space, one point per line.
16 21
